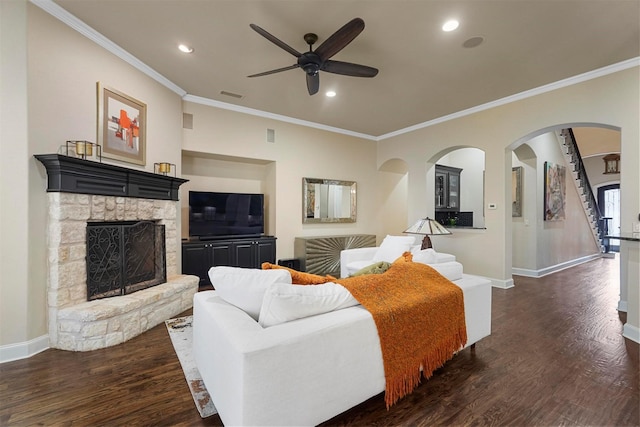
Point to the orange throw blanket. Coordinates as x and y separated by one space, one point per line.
419 315
420 319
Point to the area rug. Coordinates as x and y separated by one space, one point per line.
181 333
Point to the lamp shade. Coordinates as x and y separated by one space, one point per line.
427 227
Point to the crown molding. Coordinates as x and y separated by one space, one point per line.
620 66
265 114
58 12
73 22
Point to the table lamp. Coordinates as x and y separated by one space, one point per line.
427 227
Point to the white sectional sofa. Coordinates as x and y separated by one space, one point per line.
304 371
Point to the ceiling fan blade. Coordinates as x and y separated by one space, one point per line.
313 83
275 40
266 73
338 40
348 69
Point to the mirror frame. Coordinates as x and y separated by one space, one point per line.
516 191
305 200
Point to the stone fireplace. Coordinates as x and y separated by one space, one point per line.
75 323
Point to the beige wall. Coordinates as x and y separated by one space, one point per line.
54 83
15 280
239 143
595 168
558 242
525 228
612 100
392 188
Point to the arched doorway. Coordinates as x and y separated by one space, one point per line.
545 266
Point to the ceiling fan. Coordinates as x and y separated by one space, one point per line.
314 61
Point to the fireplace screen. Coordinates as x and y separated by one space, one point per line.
124 257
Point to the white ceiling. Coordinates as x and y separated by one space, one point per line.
425 73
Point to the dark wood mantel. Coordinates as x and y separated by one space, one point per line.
72 175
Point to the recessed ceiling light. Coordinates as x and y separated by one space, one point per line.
450 25
331 93
184 48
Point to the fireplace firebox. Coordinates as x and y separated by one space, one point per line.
124 257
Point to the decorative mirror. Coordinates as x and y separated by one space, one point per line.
328 200
516 191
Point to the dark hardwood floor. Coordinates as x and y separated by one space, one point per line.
556 356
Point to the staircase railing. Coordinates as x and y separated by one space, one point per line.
583 179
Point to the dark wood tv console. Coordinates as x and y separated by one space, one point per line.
198 256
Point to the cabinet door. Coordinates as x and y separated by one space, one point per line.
221 254
441 190
266 251
447 188
454 191
244 254
196 260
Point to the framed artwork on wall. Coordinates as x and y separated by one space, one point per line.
122 123
554 191
516 191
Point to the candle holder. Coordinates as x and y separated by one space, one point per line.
84 150
164 168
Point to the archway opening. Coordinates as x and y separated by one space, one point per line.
539 247
455 187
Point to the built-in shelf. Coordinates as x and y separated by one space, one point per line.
72 175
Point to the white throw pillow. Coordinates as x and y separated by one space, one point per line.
245 287
392 247
425 256
283 302
452 270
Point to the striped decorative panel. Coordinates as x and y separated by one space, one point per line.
321 254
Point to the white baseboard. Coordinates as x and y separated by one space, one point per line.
502 284
23 350
554 268
631 332
622 306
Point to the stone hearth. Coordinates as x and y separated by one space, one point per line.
79 325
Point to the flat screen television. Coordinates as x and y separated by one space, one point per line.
215 215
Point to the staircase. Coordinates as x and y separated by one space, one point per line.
574 160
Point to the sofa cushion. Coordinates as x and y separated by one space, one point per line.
452 270
284 302
245 287
425 256
392 247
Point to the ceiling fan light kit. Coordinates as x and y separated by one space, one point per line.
314 61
